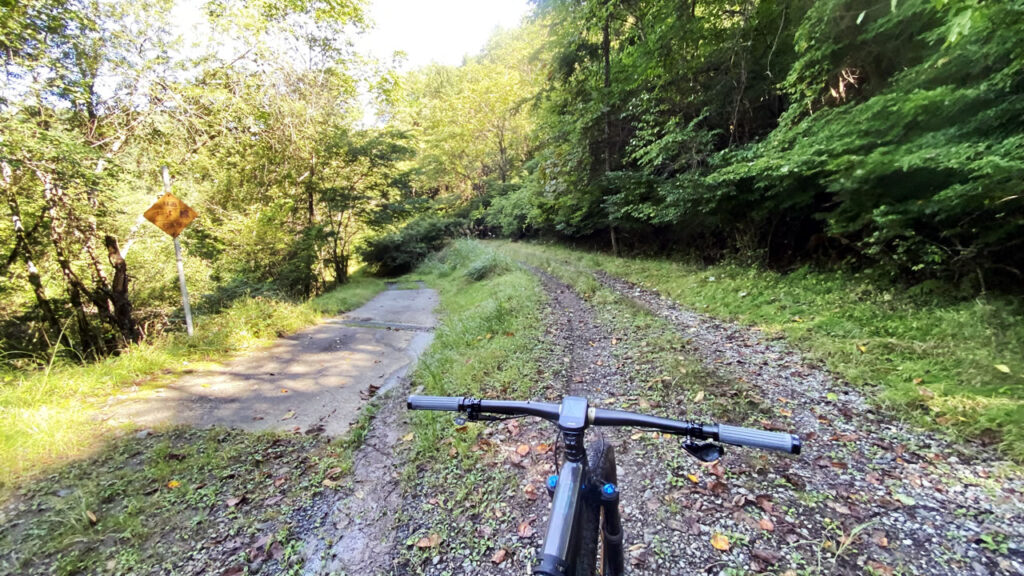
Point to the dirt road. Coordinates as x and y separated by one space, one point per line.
312 381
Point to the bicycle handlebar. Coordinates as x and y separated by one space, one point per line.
735 435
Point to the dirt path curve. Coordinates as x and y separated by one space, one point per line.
314 381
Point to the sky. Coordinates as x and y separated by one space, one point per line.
442 31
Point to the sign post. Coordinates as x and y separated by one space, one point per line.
172 216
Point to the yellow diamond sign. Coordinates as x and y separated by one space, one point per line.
170 214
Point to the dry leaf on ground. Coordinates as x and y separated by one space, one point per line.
429 541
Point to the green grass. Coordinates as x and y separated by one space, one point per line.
49 415
933 360
489 344
141 504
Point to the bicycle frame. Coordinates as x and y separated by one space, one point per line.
559 542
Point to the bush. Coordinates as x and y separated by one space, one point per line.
399 252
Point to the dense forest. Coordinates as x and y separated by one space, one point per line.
880 136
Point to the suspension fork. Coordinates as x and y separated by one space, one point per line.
614 559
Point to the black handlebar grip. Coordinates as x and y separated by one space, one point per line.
449 403
740 436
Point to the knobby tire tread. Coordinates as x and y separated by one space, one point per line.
601 463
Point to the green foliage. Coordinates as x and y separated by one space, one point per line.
399 251
496 323
887 135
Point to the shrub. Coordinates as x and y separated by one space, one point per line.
399 252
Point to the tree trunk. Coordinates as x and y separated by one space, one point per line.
22 246
606 47
91 339
119 292
310 192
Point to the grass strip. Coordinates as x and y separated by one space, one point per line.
489 344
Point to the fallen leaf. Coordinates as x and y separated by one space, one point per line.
284 390
720 541
234 501
542 448
880 569
786 413
408 437
717 468
766 525
329 483
718 487
925 392
173 484
288 415
273 500
1002 368
699 397
523 449
693 478
765 502
531 491
333 472
278 482
234 571
499 556
863 349
429 541
513 427
91 516
879 538
525 530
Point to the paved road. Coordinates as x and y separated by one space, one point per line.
314 380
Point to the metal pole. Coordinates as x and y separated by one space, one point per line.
181 265
184 290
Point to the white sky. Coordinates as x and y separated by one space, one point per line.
442 31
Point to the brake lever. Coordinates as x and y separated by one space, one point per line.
705 452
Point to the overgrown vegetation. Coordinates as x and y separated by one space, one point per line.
49 414
397 252
945 363
882 135
255 114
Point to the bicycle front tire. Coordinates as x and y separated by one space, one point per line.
601 471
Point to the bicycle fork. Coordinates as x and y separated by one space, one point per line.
614 560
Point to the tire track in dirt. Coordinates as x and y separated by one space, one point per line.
891 497
352 530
